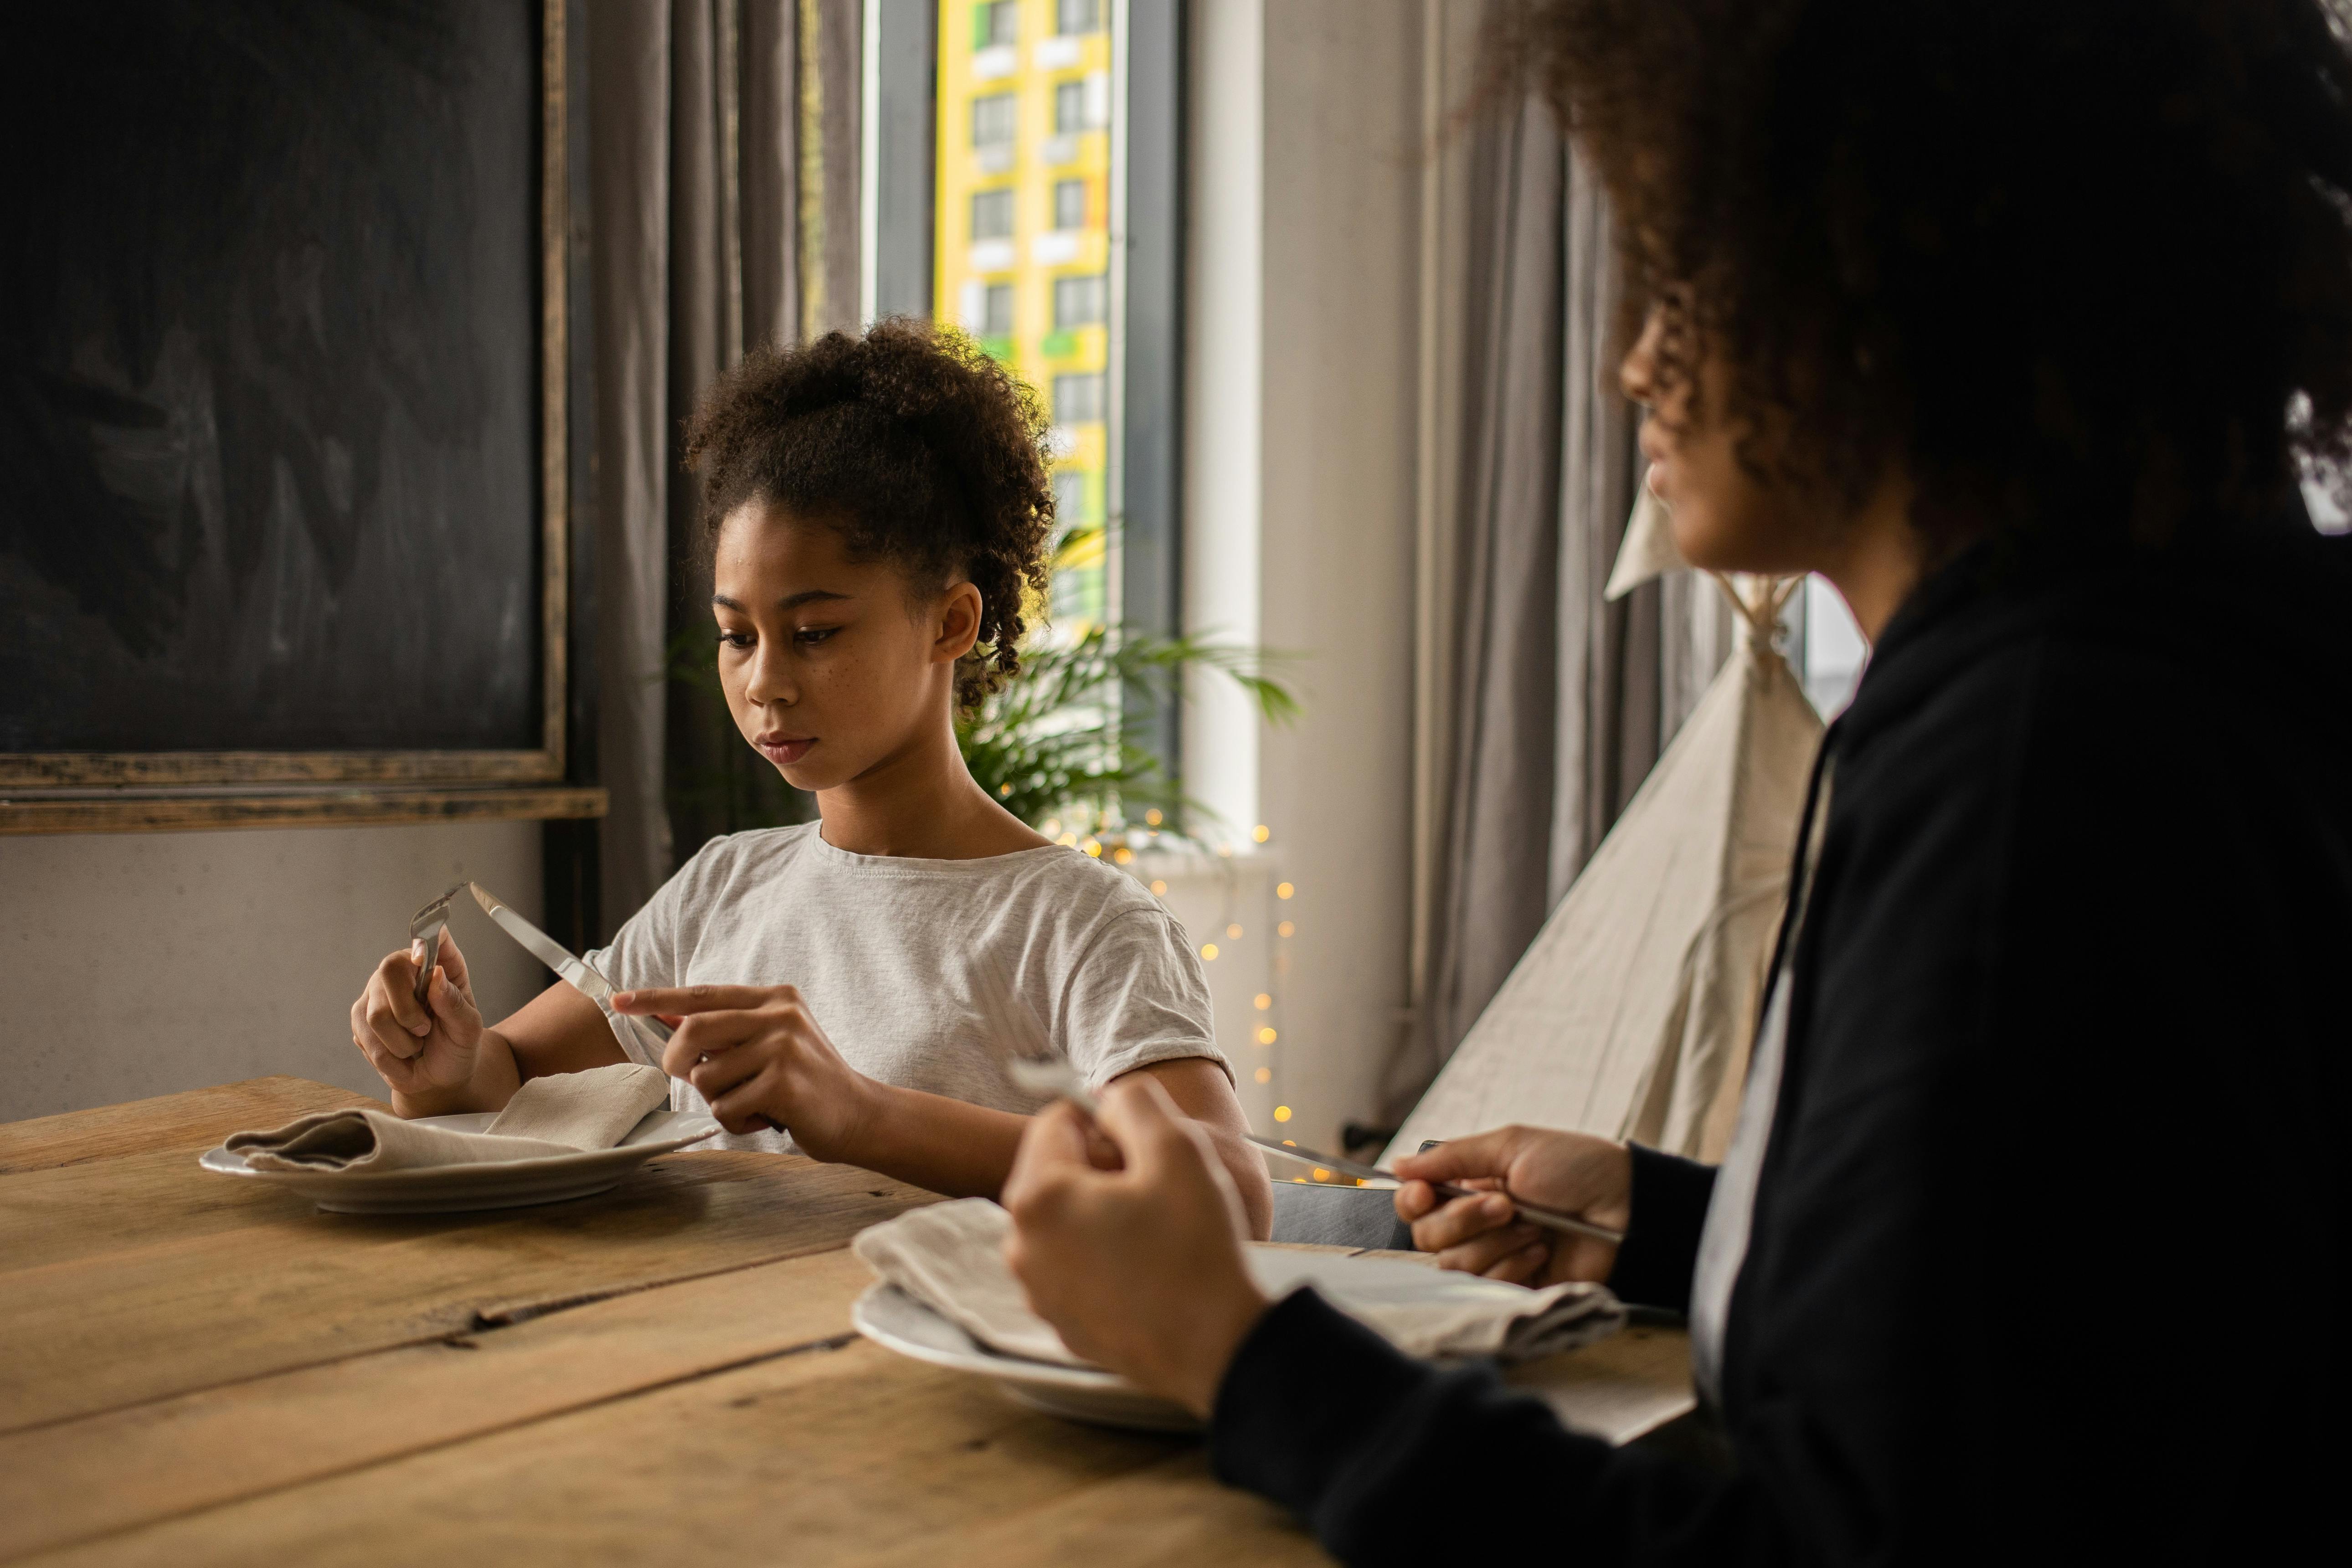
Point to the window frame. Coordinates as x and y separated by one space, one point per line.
1142 496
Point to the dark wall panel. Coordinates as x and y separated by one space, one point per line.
268 375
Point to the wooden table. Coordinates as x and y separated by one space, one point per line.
198 1370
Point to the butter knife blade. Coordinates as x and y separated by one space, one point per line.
573 972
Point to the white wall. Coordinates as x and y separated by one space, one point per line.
1299 498
137 964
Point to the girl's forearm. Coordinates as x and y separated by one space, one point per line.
940 1144
496 1079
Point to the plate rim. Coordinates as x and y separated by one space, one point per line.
982 1361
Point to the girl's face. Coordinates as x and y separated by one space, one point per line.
1724 518
832 667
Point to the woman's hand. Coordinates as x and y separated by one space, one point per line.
1139 1267
1568 1171
419 1048
757 1057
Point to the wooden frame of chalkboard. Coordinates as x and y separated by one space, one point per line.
118 790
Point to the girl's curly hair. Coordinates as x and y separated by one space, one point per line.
920 447
2081 267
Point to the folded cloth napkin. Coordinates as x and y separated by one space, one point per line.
562 1113
950 1257
592 1109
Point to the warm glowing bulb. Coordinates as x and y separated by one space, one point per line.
1122 854
1288 1142
1153 816
1093 847
1265 1036
1282 1113
1260 832
1209 952
1285 928
1233 933
1282 890
1005 789
1070 839
1263 1000
1160 889
1322 1174
1265 1075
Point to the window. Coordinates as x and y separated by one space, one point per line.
995 120
1079 301
991 215
1032 280
997 311
1078 399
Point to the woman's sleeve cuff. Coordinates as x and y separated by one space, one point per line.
1661 1247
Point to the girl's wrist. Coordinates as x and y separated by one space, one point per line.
859 1109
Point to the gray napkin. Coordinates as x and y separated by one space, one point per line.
950 1257
563 1114
592 1109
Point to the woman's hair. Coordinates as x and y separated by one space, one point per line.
2081 266
914 444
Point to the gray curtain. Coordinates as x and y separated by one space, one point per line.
723 171
1557 703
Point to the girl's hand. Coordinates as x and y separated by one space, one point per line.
1569 1171
419 1048
1139 1267
757 1057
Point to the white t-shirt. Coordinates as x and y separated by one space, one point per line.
928 973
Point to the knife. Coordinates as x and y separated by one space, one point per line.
1040 1076
1549 1219
575 972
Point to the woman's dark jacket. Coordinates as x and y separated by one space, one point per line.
2047 1255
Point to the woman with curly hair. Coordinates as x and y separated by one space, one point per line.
877 511
2025 324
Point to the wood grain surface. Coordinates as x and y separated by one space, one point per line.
197 1370
210 1287
197 1119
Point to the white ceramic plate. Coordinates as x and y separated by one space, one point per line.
896 1320
496 1184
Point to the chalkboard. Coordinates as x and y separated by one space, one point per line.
279 391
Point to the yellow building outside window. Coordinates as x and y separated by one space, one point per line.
1023 221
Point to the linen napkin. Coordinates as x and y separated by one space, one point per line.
562 1113
591 1109
950 1257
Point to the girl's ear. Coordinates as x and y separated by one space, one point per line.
958 622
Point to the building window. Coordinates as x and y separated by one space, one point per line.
1078 399
1080 301
991 215
995 120
1032 280
997 311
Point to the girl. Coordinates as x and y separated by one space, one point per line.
2018 320
878 510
